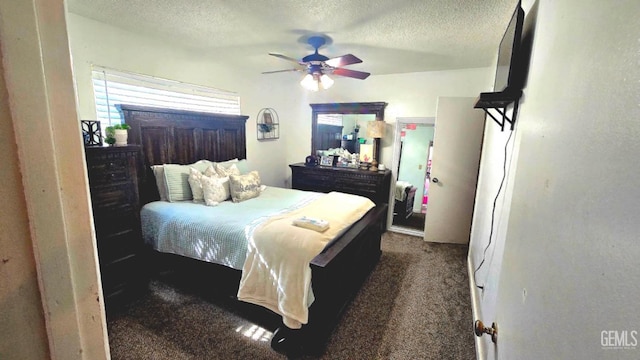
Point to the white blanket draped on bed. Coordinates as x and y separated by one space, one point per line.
276 273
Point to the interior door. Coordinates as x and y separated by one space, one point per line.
454 170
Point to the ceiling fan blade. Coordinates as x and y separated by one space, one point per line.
279 71
284 57
343 60
351 73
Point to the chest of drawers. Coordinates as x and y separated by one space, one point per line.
113 182
374 185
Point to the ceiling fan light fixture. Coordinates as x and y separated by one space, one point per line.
326 81
316 64
310 83
315 82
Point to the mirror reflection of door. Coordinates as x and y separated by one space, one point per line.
411 192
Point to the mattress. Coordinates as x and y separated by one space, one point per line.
216 234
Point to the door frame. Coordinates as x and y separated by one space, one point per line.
394 170
39 81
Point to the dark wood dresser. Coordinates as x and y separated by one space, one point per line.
113 182
374 185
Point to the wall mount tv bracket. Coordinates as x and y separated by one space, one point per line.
499 101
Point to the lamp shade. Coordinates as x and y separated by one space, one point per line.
316 81
326 81
375 129
309 82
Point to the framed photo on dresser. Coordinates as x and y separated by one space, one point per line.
326 161
366 153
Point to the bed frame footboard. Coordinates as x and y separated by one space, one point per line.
337 273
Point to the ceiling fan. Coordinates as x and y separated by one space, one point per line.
318 66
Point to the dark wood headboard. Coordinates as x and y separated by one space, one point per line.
171 136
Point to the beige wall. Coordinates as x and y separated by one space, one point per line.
22 327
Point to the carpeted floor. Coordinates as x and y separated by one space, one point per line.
415 305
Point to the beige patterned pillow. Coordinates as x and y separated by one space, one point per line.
244 187
224 171
195 182
215 189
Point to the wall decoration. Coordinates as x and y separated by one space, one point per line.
91 132
267 124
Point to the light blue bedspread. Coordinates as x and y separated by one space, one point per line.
216 234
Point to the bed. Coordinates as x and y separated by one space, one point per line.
169 136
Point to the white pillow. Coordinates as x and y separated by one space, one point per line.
241 164
227 163
215 189
223 171
195 183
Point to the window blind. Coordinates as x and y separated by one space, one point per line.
111 87
330 119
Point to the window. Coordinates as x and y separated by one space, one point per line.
330 119
111 87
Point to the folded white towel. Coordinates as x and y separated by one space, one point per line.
318 225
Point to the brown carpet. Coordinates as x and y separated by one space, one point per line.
415 305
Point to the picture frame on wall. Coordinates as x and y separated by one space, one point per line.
268 119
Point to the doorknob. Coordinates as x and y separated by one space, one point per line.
479 329
435 180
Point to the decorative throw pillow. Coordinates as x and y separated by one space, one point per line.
195 183
176 179
244 187
223 171
158 172
215 189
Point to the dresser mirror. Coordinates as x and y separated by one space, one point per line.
344 125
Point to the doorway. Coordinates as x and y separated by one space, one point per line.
413 147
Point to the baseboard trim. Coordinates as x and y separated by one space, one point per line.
406 231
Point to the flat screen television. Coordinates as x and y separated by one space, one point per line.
508 72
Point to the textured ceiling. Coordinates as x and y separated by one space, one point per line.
390 36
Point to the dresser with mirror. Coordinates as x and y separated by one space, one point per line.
344 126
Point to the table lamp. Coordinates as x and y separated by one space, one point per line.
375 130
